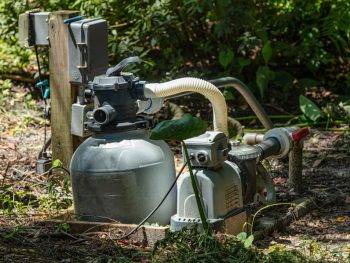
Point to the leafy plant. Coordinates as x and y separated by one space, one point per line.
310 110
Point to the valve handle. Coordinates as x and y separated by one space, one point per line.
116 70
300 134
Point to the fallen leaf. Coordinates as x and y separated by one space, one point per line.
347 249
276 247
11 145
317 163
280 180
341 219
315 213
347 200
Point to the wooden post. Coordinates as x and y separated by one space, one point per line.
296 167
62 93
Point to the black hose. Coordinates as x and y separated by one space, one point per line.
44 148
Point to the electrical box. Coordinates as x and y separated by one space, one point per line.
33 28
88 49
79 117
208 150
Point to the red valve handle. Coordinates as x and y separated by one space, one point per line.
300 134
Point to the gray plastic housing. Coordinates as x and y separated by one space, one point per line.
208 150
33 28
79 117
220 190
88 49
123 176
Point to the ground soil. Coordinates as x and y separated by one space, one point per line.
326 169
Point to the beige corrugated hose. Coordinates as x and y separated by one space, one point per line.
212 93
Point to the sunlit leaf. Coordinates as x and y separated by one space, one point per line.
310 109
57 163
249 241
180 129
341 219
242 236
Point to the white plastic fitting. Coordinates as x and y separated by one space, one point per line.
283 135
252 138
212 93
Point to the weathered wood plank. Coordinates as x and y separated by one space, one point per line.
62 94
147 235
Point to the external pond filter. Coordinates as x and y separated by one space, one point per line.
119 174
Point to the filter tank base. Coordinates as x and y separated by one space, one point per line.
232 225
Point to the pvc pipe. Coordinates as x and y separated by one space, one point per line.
183 85
253 138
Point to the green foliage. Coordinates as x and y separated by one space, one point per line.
192 246
245 239
179 129
268 44
57 163
310 110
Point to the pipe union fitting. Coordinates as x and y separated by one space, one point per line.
104 114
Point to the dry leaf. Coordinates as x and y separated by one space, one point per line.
11 145
315 213
317 163
341 219
280 180
346 249
347 200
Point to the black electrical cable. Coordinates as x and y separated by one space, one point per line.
49 172
37 62
157 207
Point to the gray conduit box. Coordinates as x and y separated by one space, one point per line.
33 28
88 49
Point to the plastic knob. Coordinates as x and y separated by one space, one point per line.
300 134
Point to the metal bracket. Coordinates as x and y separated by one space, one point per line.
33 28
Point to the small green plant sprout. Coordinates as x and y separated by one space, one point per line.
63 227
180 130
57 163
246 240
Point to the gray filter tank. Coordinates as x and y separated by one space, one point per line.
123 176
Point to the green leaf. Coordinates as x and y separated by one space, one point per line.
249 241
243 62
310 109
228 94
267 52
305 83
263 75
226 57
263 35
242 236
284 79
57 163
180 129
